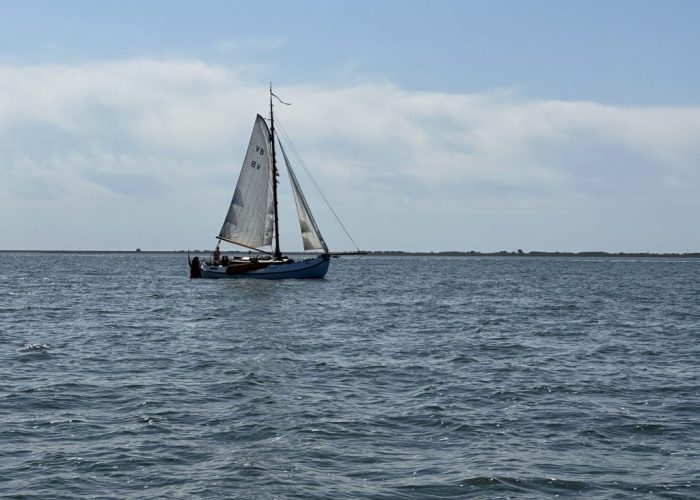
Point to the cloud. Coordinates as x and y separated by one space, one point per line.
165 136
501 140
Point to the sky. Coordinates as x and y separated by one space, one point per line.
430 126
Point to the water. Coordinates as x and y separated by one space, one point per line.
392 378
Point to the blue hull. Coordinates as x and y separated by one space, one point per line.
315 268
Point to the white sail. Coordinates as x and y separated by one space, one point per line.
310 233
250 218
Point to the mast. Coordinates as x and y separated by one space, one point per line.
274 179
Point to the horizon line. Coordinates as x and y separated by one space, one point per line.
519 252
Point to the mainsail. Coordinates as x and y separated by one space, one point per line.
310 234
250 218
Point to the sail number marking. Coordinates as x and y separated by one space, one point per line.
256 165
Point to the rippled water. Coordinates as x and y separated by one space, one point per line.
392 378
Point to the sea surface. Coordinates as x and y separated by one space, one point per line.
393 378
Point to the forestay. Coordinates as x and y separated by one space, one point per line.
310 233
250 218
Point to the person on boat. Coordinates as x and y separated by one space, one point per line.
195 269
216 254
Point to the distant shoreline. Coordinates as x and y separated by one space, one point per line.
537 254
391 253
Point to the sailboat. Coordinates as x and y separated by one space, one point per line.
252 219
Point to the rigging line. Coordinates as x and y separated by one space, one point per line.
316 185
318 188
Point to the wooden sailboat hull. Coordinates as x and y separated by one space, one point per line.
315 268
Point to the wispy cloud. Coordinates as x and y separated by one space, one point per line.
173 130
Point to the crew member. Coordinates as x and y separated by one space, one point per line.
195 270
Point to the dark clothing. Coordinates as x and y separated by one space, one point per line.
195 269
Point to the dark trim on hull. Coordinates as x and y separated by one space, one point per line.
313 270
297 271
